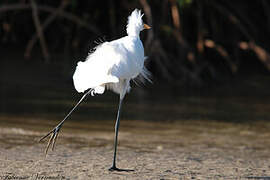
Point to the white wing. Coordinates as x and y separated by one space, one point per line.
110 63
95 70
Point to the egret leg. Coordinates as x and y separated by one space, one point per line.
55 131
114 168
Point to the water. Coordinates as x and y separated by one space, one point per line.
156 117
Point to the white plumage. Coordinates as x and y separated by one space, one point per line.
113 64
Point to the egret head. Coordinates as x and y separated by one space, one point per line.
135 23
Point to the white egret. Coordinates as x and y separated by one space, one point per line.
112 65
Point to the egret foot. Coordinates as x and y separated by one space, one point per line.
54 134
114 168
55 131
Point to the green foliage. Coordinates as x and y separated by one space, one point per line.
184 3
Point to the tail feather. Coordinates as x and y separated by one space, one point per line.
144 75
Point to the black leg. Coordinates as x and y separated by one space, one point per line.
114 168
55 131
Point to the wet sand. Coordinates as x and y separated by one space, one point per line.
152 150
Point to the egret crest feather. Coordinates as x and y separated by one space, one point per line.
135 23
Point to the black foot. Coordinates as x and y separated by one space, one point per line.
114 168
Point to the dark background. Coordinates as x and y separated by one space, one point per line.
195 48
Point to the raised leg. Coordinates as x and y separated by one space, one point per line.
55 131
114 168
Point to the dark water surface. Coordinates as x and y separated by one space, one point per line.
31 109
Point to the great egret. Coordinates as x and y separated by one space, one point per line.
112 65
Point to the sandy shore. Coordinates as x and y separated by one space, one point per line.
183 151
92 163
